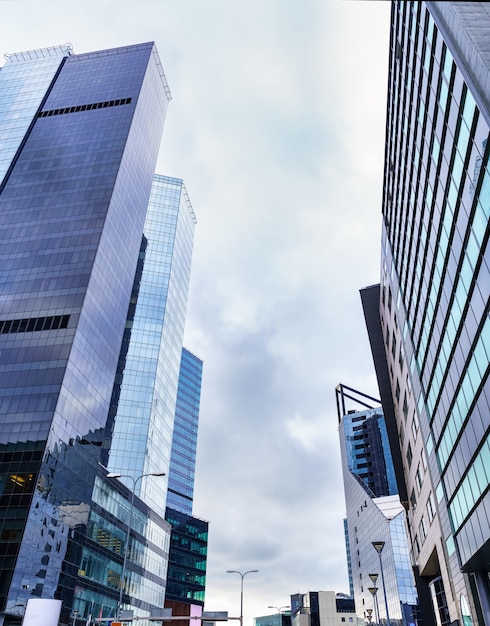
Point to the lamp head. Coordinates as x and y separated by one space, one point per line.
113 475
378 546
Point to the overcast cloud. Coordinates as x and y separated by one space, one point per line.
277 128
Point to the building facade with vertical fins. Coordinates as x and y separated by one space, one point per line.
95 256
434 300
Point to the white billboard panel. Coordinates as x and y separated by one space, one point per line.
42 612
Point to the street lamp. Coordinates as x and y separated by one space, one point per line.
279 609
374 591
378 546
128 530
234 571
374 578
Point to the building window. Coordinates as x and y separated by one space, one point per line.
422 529
84 107
409 454
405 406
400 357
413 499
431 508
415 426
418 479
416 547
33 324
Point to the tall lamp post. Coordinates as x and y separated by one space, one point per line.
242 575
378 546
128 529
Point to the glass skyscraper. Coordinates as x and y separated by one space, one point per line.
186 576
180 493
142 429
434 300
95 256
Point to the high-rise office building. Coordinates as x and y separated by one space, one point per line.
180 493
382 584
434 301
365 438
95 261
186 576
142 427
144 430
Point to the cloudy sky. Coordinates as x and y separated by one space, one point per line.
277 128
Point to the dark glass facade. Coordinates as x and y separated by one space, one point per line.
368 451
434 292
80 216
186 578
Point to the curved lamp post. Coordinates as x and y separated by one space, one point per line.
242 575
279 610
128 530
378 546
